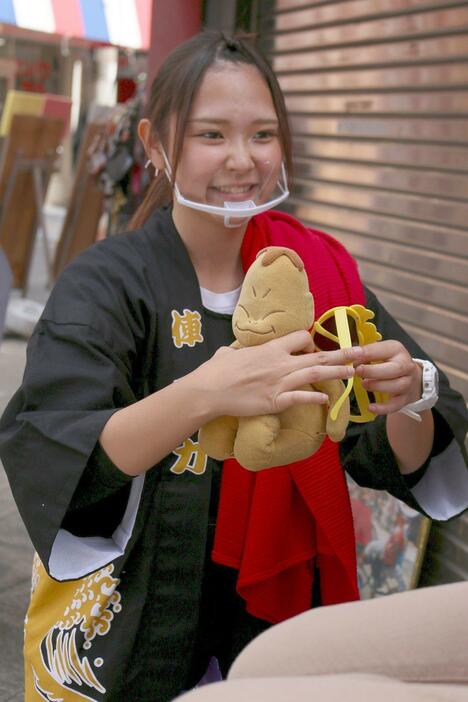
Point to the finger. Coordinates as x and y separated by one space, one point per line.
339 357
310 346
396 368
316 374
299 397
294 342
382 350
394 404
396 386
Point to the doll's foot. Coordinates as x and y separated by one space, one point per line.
255 441
293 445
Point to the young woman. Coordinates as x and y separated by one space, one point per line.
143 550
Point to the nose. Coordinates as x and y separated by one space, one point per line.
240 157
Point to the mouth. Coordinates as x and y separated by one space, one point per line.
255 331
234 193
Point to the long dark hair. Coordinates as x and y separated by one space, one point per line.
174 89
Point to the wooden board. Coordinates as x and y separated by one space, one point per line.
85 208
31 137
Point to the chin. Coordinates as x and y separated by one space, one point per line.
235 223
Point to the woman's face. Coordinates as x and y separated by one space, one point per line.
231 149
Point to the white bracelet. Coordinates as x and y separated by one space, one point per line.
430 388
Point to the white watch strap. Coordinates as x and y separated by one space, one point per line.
410 413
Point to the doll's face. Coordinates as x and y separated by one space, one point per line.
274 301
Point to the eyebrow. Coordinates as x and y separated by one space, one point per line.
214 120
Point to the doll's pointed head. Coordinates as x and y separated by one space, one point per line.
275 299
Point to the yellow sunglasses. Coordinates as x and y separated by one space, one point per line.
341 328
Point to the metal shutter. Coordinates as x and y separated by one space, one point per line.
378 98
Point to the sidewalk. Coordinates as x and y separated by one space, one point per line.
15 547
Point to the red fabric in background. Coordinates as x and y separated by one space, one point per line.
126 89
272 524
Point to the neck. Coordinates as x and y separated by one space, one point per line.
213 248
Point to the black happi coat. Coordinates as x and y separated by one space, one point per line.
105 341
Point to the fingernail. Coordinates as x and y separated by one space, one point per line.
323 398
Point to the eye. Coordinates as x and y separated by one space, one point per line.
265 135
211 135
274 312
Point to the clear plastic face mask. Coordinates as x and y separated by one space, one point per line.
239 206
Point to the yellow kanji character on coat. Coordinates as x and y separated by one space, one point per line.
186 328
190 457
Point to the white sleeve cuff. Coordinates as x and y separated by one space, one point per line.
73 557
442 492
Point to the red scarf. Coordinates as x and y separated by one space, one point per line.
272 524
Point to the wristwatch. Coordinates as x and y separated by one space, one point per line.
430 390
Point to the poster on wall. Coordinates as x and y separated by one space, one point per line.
390 540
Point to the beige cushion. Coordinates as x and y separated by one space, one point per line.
419 636
326 688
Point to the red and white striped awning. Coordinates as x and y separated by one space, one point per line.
121 22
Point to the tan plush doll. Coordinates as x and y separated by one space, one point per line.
275 300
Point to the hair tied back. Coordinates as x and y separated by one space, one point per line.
231 43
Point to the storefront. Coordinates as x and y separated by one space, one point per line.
89 50
378 96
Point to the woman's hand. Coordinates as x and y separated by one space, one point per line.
398 375
395 373
266 379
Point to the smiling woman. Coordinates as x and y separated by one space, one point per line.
232 159
144 571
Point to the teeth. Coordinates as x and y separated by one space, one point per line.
235 189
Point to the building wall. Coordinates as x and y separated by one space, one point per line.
378 98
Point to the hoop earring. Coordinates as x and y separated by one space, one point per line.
150 163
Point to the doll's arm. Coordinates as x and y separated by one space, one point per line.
217 437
